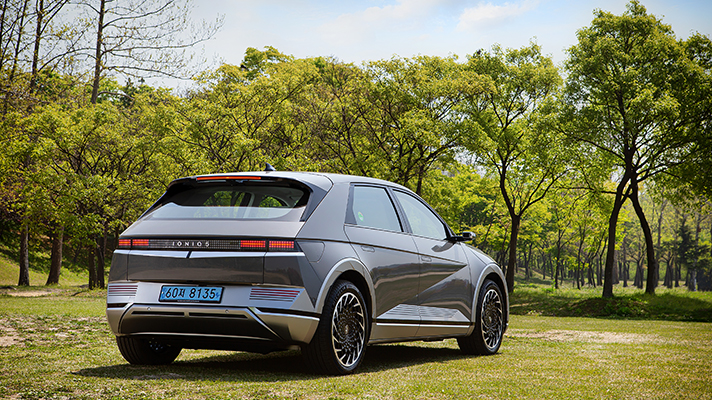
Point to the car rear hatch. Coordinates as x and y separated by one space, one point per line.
215 229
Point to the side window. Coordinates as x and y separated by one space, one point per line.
371 207
422 221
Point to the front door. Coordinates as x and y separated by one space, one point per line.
444 287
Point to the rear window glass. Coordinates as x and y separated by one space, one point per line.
263 201
371 207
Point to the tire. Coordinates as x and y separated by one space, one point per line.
489 322
339 343
146 352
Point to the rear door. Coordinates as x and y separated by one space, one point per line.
377 235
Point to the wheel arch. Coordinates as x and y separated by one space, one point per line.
495 274
355 272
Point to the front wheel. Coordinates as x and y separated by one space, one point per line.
489 322
339 343
146 352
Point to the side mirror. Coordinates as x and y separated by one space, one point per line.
468 236
463 237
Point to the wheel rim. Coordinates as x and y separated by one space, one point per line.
348 330
491 319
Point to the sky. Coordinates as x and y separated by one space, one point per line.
358 31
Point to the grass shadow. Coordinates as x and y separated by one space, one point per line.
399 355
237 366
273 367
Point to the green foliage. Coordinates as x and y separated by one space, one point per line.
491 142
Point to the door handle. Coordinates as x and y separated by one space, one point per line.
368 249
426 259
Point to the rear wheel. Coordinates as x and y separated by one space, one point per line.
489 322
339 343
146 352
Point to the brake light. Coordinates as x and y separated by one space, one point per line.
209 244
139 242
253 244
281 245
227 177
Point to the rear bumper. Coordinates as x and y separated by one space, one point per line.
242 318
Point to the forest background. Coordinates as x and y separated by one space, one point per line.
598 172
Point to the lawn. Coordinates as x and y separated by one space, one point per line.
58 346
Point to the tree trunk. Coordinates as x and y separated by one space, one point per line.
639 274
652 281
92 267
692 275
16 57
659 239
36 50
24 255
610 252
692 280
526 267
512 252
556 272
97 54
56 256
579 265
2 35
100 252
669 273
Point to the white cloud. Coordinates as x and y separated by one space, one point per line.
488 13
355 27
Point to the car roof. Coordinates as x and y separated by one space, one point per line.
313 178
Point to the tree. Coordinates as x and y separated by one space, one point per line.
103 166
236 120
628 89
394 119
512 138
419 119
142 38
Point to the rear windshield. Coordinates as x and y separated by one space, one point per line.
244 200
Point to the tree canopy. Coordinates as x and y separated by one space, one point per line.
538 161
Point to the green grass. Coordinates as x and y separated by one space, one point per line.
630 303
39 270
60 347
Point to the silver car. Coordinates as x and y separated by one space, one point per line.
266 261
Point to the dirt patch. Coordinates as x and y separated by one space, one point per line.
583 336
43 330
8 336
30 293
13 291
6 341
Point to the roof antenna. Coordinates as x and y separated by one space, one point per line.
269 167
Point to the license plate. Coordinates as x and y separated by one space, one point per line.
191 294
